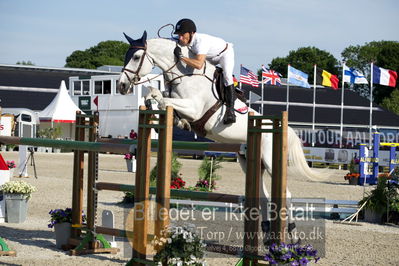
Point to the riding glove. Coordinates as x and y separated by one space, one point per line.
178 52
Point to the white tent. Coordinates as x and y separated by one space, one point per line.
61 110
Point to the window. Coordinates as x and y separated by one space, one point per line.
98 87
86 87
107 86
26 118
77 90
102 87
79 85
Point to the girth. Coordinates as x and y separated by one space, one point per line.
199 125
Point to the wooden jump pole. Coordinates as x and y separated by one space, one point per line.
141 196
78 171
142 189
164 168
279 176
251 222
92 176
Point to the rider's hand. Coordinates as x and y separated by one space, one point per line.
178 52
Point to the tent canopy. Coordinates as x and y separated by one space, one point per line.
61 110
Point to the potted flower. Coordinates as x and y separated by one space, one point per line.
291 254
17 194
61 220
177 183
179 245
383 199
353 178
205 185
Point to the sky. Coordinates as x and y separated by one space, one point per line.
46 32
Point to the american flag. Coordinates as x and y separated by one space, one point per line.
271 77
248 77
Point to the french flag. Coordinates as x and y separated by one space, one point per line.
384 76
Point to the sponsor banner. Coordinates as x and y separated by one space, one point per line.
340 156
332 138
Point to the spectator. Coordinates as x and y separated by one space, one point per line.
133 134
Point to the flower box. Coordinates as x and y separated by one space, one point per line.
372 216
353 178
62 233
354 181
16 206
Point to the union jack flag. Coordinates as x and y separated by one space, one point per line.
248 77
271 77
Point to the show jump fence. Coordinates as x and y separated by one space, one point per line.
277 125
371 178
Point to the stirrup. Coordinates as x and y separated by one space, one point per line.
229 118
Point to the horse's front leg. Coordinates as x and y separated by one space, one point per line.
157 96
186 108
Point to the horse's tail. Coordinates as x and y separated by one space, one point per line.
297 158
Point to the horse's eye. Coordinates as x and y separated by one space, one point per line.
136 57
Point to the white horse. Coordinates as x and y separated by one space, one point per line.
190 94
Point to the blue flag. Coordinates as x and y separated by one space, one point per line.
297 77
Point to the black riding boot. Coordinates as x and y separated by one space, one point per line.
229 116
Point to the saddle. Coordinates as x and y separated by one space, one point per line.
220 88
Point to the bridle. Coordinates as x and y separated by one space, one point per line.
136 73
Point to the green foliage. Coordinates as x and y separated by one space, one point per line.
26 63
391 103
50 133
304 59
385 195
104 53
204 171
180 245
384 54
176 166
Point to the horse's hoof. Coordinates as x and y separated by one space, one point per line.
265 225
291 226
185 124
292 234
161 106
148 104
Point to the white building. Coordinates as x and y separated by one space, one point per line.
118 113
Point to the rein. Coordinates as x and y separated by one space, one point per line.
136 73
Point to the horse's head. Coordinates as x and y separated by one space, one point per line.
137 64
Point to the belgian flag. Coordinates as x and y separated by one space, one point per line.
326 79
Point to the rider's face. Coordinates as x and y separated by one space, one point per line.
184 39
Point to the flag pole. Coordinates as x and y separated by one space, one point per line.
341 128
262 87
314 105
288 87
371 104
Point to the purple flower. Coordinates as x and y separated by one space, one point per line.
303 261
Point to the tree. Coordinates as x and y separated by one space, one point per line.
384 54
104 53
391 103
304 59
26 63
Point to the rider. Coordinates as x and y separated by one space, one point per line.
215 50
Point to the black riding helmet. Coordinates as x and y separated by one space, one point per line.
185 25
